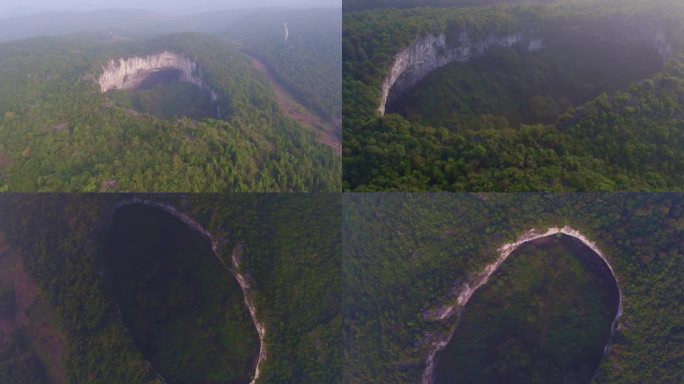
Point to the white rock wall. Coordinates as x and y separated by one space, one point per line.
129 73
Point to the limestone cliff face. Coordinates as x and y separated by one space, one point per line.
661 43
129 73
430 52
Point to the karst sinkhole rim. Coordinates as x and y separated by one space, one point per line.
401 78
466 292
105 224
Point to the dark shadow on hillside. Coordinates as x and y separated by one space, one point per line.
182 306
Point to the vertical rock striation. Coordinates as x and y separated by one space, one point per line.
129 73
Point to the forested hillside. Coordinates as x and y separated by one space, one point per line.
289 247
309 63
407 255
584 96
58 133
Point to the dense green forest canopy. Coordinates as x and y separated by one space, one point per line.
406 255
58 133
598 108
290 247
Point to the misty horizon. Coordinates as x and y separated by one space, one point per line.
147 18
22 8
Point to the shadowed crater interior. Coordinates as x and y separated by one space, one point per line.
545 317
161 96
183 308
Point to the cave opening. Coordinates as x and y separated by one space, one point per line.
546 315
181 305
510 86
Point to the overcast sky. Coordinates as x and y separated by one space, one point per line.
23 7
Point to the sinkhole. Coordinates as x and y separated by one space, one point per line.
516 85
183 308
546 316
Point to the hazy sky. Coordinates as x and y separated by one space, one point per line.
23 7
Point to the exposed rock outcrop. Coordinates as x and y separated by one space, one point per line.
129 73
466 291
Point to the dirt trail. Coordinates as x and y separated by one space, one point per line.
329 133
